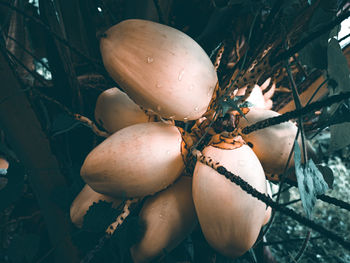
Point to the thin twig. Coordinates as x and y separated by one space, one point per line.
292 202
316 91
298 107
303 247
344 37
91 124
86 121
271 243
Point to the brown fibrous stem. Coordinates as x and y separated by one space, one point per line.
123 215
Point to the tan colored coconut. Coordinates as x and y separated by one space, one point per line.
256 97
115 110
160 68
4 164
86 198
169 216
136 161
273 144
230 218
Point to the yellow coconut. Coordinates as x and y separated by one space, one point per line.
86 198
230 218
272 145
136 161
115 110
160 68
169 216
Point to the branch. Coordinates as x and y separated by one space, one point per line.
296 113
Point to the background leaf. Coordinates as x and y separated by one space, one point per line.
338 66
310 181
340 136
339 71
327 174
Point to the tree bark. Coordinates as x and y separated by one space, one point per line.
25 136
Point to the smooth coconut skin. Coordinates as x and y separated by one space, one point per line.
229 217
86 198
115 110
273 144
169 216
160 68
136 161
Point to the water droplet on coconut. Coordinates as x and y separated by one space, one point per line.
182 72
196 108
149 60
168 152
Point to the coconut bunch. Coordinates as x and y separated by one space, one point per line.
165 73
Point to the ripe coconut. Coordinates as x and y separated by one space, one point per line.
230 218
4 164
86 198
169 216
136 161
273 144
115 110
160 68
